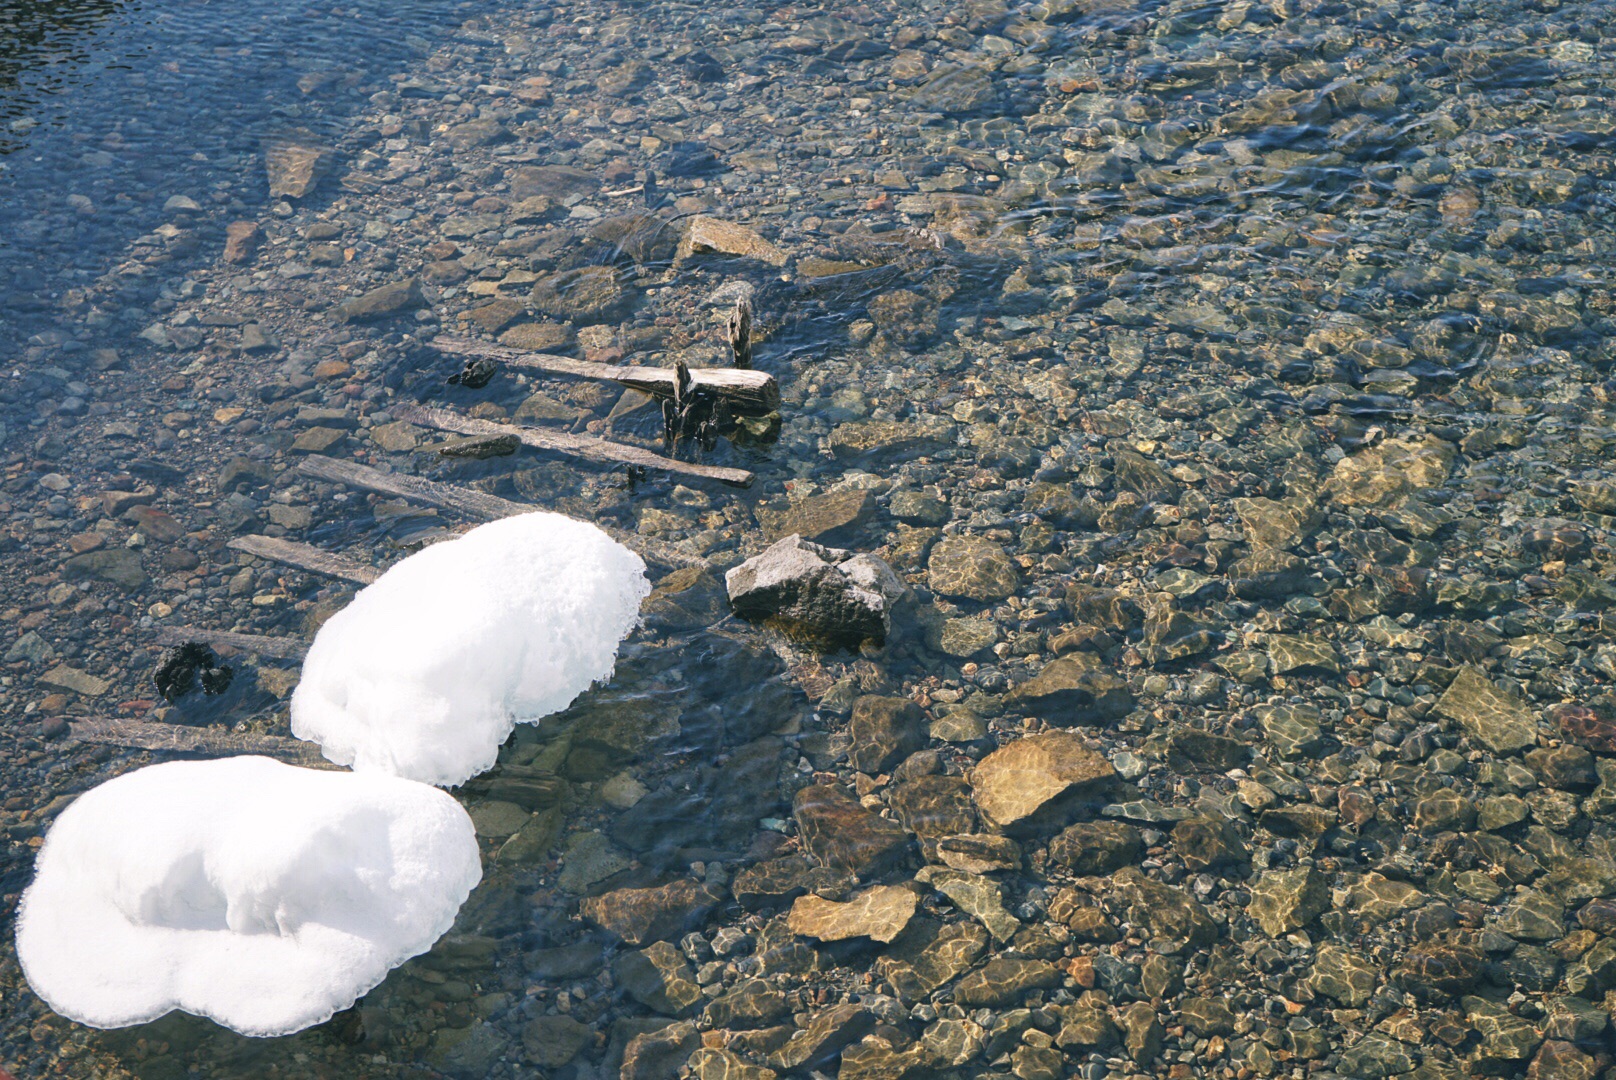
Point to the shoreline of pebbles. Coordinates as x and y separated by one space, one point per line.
1229 385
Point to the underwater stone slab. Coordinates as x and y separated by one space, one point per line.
1494 717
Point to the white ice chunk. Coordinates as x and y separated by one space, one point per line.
262 895
425 673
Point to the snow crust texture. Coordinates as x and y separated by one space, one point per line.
425 673
263 896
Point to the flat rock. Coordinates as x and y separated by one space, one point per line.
879 913
915 968
386 301
1020 778
933 807
709 234
832 518
1097 847
74 679
1494 717
979 853
638 916
585 293
1175 919
978 896
295 160
708 1063
972 567
776 882
552 1041
823 1038
120 566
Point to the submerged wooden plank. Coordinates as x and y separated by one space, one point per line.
583 446
306 557
206 741
750 392
282 648
474 504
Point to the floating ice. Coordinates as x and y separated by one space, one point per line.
425 673
261 895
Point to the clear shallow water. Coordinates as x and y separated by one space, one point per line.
1290 323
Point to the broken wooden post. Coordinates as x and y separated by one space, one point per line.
306 557
740 333
749 393
584 446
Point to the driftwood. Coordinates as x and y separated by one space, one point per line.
590 449
473 504
305 557
207 741
749 393
281 648
740 333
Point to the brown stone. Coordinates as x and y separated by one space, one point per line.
639 916
885 730
843 835
240 240
879 913
1020 778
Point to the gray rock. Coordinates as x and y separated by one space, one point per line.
817 592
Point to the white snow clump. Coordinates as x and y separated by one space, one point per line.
263 896
424 674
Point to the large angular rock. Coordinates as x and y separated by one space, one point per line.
1075 689
916 967
657 1055
639 916
933 807
824 1037
816 592
1286 900
1175 919
660 979
879 913
776 882
843 835
1494 717
1020 778
1003 981
1097 847
885 730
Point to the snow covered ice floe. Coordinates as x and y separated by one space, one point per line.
263 896
426 672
